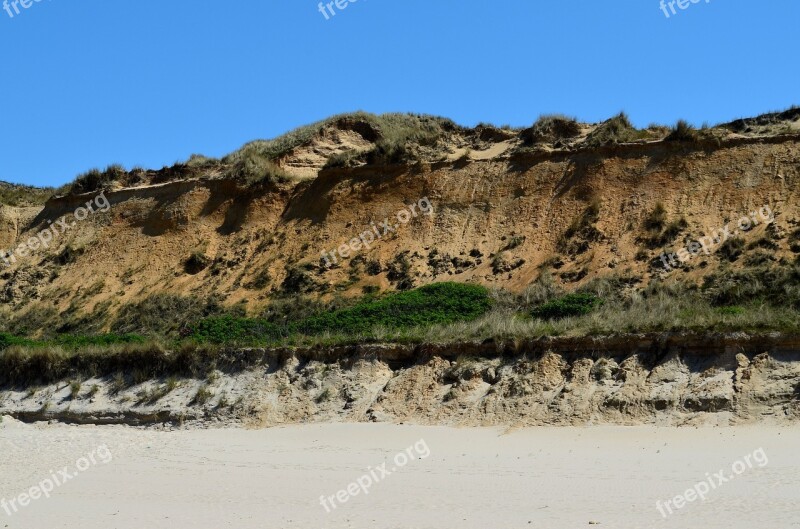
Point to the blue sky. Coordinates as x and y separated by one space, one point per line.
87 83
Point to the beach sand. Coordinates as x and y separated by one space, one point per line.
550 478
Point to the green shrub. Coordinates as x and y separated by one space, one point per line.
398 271
298 281
615 130
22 195
549 129
731 249
770 284
656 219
69 341
349 158
95 180
165 314
7 340
576 304
253 167
440 303
682 132
582 229
230 329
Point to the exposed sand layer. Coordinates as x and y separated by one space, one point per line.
473 478
626 380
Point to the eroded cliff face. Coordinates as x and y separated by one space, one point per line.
499 216
660 379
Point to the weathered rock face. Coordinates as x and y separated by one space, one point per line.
665 380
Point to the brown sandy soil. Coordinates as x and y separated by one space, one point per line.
254 239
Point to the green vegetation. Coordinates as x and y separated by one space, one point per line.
582 230
659 231
254 166
22 195
550 129
392 133
69 341
257 163
759 299
615 130
95 180
231 329
576 304
439 303
203 395
731 249
165 315
436 304
682 132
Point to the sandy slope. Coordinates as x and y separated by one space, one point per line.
473 478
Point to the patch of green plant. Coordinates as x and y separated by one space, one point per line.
399 272
582 230
95 180
231 329
576 304
550 129
732 310
731 249
778 286
656 219
165 315
682 132
440 303
7 340
22 195
615 130
254 167
69 341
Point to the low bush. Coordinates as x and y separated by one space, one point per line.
576 304
440 303
95 180
550 129
615 130
230 329
731 249
164 315
682 132
253 167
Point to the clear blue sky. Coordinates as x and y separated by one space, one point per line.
148 82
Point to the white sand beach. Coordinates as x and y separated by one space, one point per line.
549 478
